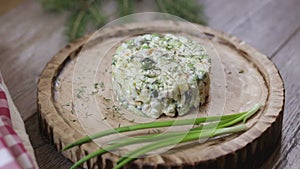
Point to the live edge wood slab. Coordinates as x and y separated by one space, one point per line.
244 150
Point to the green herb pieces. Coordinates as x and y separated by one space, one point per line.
190 65
148 64
102 85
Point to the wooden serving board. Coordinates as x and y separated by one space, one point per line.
246 77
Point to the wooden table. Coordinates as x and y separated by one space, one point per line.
30 36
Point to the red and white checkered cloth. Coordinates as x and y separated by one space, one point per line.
13 155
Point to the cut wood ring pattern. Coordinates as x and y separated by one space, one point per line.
247 150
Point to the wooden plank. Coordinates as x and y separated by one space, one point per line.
270 27
263 24
288 61
29 38
8 5
227 15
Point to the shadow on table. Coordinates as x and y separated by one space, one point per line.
46 155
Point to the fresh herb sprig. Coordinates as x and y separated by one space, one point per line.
87 15
191 136
149 125
219 125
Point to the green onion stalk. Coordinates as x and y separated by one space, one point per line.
219 125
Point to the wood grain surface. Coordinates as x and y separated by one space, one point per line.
55 84
29 38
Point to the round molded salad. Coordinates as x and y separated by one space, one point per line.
156 74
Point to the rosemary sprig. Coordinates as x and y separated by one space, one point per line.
77 25
125 7
97 17
86 15
188 9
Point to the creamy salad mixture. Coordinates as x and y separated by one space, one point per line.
157 74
